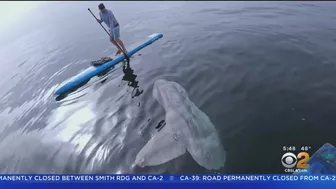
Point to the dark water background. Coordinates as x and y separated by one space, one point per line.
264 72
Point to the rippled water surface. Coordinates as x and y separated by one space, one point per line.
263 72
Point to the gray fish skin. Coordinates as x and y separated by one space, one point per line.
187 129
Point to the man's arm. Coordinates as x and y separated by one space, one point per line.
101 20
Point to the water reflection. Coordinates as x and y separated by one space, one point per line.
130 77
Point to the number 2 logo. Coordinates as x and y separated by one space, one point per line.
289 160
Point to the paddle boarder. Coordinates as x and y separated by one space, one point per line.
111 22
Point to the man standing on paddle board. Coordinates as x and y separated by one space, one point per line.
108 18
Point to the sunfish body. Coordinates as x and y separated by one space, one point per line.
187 129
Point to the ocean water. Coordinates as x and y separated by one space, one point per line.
263 72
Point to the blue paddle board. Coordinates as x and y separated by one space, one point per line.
92 71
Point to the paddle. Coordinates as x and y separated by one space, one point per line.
127 58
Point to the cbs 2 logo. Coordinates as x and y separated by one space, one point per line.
289 160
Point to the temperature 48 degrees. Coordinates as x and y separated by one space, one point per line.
305 148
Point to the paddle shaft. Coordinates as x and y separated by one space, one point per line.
109 34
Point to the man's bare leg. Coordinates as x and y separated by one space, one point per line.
115 44
121 44
121 48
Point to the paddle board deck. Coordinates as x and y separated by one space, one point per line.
92 71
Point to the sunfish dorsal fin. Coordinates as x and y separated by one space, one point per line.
161 148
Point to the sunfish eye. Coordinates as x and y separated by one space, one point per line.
175 137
